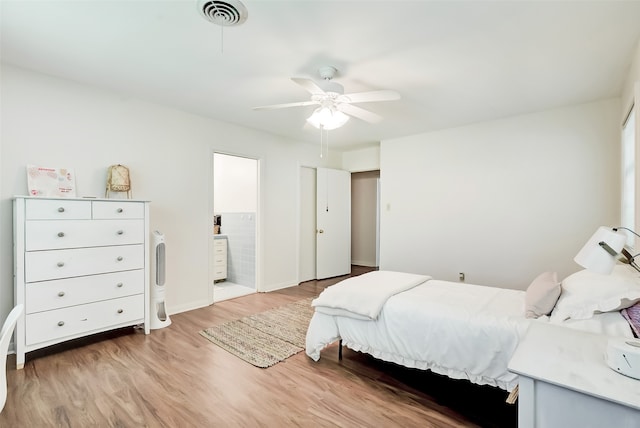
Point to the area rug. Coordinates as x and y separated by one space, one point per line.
266 338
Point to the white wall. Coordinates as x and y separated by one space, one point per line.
49 121
501 201
234 184
365 159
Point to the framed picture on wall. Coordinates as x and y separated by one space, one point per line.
51 182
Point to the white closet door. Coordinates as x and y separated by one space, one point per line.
307 222
333 219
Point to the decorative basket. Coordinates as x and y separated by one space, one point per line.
118 180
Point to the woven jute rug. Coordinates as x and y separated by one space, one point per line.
266 338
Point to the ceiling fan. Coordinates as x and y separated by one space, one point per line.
335 106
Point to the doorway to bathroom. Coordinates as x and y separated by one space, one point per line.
234 227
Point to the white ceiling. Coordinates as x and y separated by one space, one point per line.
453 62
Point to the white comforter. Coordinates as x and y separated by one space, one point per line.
363 296
459 330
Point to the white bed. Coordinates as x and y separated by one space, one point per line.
460 330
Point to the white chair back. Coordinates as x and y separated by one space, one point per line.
5 337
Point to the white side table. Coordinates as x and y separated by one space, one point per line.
565 381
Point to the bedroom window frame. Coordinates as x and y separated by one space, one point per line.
629 152
630 194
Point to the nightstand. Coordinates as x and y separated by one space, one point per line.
565 381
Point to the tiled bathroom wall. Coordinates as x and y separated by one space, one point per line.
240 229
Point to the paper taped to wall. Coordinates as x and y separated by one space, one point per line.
51 182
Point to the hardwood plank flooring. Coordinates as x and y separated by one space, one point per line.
176 378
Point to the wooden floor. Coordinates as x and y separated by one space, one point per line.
176 378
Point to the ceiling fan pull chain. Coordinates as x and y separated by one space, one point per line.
326 189
326 143
321 140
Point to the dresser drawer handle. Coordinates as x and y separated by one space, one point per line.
119 210
120 311
61 209
119 285
120 258
120 232
60 234
61 294
60 264
60 323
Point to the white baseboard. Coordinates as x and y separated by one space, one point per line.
187 307
280 286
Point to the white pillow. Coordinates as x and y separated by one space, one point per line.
541 296
609 323
586 293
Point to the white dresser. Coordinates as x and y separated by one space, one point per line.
219 258
81 267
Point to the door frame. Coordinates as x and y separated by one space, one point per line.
258 220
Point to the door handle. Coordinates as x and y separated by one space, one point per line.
320 231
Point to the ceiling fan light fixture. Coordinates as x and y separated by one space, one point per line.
327 118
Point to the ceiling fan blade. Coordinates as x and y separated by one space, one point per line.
371 96
277 106
309 85
358 112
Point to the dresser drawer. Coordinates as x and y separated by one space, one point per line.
220 259
75 320
219 272
55 264
117 209
60 293
219 246
59 234
47 209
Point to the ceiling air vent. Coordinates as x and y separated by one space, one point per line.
226 13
